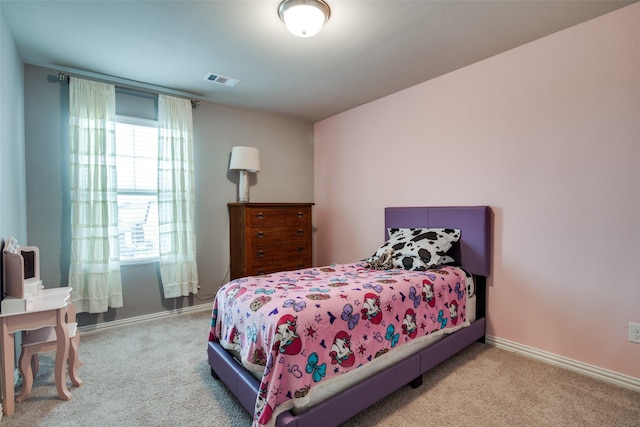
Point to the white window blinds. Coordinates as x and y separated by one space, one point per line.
137 171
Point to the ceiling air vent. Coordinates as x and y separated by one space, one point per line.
221 80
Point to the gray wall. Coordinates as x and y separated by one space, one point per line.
13 220
286 148
13 208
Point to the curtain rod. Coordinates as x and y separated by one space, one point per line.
134 86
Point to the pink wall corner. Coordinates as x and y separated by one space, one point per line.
546 134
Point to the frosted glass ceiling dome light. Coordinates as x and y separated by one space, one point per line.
304 18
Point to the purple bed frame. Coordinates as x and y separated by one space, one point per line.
473 253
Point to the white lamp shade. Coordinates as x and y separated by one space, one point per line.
304 18
245 158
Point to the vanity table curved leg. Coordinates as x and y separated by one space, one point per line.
62 353
27 371
73 361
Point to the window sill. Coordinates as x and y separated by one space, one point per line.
139 261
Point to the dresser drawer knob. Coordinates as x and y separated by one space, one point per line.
300 232
260 215
261 272
300 214
260 235
300 249
260 254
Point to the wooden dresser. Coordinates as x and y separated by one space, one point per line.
269 237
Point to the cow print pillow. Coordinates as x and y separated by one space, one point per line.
418 249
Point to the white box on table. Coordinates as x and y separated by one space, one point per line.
11 305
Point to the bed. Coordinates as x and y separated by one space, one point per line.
345 383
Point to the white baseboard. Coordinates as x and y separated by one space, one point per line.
153 316
563 362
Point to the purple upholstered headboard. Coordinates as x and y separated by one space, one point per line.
474 249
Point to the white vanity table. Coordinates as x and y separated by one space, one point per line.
48 308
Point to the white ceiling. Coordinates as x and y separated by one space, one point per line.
368 49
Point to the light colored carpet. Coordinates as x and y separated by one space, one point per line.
156 374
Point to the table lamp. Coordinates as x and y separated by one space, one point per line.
244 160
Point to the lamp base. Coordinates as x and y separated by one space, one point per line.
243 187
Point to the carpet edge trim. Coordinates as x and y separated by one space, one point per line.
144 318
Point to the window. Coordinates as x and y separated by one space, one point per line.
137 171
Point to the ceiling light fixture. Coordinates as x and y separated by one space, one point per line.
304 18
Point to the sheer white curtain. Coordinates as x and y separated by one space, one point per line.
176 197
94 271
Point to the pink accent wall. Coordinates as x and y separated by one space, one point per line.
548 134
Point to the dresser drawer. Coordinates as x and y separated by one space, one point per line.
273 254
289 265
275 216
273 235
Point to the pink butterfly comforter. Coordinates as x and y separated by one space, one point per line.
303 327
